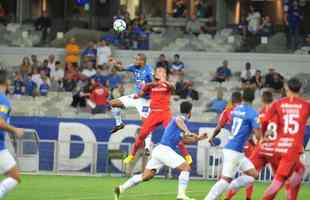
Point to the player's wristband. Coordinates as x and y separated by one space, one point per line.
189 159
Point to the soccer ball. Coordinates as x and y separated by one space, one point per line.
119 25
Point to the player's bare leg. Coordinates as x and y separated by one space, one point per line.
133 181
12 180
183 181
244 180
117 105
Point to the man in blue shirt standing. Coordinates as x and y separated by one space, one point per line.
164 154
293 20
7 162
244 121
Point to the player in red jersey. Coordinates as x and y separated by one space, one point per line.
225 117
292 113
160 93
264 153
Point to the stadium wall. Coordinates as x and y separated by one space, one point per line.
287 64
81 145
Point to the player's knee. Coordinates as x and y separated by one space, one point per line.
148 175
227 179
185 167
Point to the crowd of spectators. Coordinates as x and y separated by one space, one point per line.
251 78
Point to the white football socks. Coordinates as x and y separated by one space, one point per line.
217 190
117 114
241 181
148 142
183 182
133 181
7 185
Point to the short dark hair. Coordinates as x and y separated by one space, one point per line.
3 77
142 56
294 85
248 95
176 55
236 97
186 107
267 97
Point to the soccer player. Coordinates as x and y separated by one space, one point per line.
7 162
165 154
225 117
160 92
142 74
244 121
292 113
259 156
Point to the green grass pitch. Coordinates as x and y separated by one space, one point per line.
100 188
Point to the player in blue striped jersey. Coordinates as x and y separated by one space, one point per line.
244 121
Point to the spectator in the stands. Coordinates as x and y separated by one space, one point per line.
58 75
114 80
210 26
102 75
30 86
184 89
254 20
25 68
44 87
293 20
99 97
223 73
45 69
259 79
51 64
36 77
162 61
88 70
177 66
35 63
79 98
242 27
90 53
142 22
266 28
180 9
18 85
274 80
71 77
194 26
200 9
72 52
218 104
248 77
103 53
44 24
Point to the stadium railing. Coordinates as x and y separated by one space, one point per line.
83 158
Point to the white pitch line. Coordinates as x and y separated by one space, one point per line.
133 195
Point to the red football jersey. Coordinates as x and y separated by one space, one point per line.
100 96
292 115
225 117
262 118
160 94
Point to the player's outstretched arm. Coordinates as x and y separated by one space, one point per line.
193 138
19 132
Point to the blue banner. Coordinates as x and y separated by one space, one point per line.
78 148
